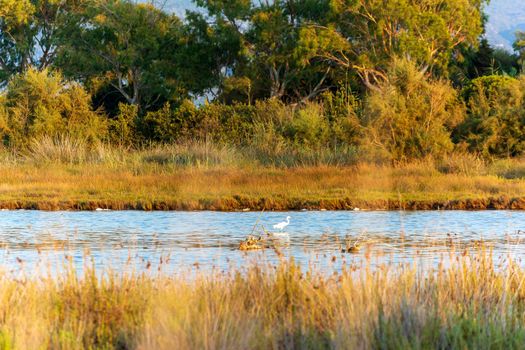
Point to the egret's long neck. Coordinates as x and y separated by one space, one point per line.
288 221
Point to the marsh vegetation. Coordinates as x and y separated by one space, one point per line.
295 84
206 176
470 301
124 105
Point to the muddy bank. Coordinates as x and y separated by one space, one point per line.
239 203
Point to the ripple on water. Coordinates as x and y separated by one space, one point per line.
206 239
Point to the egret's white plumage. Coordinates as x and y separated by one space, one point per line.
280 226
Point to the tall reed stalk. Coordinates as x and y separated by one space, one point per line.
471 302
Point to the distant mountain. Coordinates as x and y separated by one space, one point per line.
505 18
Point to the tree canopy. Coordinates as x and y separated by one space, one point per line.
405 76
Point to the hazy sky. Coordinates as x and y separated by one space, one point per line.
505 18
178 6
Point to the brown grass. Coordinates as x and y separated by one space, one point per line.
55 175
154 186
472 303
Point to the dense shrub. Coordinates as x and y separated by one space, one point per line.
496 117
342 110
407 116
309 127
160 125
232 124
214 122
271 119
269 130
123 128
411 116
42 103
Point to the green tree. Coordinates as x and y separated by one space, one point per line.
206 52
474 62
365 35
41 103
267 58
127 50
519 47
29 33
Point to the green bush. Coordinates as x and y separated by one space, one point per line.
271 119
123 128
342 110
160 125
495 126
41 103
213 122
231 124
410 116
309 127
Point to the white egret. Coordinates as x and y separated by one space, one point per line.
280 226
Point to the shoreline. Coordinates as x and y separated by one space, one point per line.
240 204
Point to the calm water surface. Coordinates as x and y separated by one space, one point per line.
177 241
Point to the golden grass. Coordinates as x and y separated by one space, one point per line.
62 174
469 304
165 186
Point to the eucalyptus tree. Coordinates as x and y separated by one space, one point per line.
366 35
29 33
295 49
266 35
126 51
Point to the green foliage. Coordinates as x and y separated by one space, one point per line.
204 54
270 127
15 12
506 62
217 122
342 110
268 44
302 78
123 128
474 62
496 116
29 33
225 124
309 127
42 103
237 89
411 116
130 47
365 35
519 47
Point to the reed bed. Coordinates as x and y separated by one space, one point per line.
161 187
468 302
66 174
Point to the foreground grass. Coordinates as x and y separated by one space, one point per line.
471 304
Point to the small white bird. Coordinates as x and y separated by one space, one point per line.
280 226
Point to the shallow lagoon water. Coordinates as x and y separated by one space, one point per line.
177 241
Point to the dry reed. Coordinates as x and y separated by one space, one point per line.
468 303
